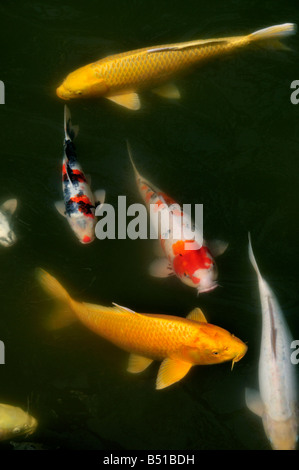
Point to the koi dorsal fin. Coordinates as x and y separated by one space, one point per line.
187 45
124 309
197 315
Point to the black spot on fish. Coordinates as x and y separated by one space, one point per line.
85 208
70 151
74 175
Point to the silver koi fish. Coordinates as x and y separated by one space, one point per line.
276 402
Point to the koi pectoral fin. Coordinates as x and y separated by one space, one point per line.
9 206
169 90
217 247
254 401
128 100
138 363
60 206
99 197
161 268
158 250
171 371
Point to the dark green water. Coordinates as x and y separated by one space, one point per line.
230 143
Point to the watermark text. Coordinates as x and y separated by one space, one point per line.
166 222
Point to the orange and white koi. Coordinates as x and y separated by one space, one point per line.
188 259
79 202
120 77
276 403
179 343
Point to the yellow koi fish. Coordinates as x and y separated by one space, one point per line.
15 422
120 77
179 342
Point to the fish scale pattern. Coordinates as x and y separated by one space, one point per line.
144 67
143 334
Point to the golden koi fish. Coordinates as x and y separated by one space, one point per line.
120 77
15 422
179 342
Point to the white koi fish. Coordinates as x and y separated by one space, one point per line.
276 403
7 236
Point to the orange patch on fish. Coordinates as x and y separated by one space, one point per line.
148 196
187 262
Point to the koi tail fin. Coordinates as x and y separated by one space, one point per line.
70 131
272 35
63 314
252 257
131 159
136 172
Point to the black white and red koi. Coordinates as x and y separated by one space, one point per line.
190 257
79 202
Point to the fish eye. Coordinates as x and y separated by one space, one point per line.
16 430
78 92
215 353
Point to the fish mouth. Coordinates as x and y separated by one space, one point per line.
238 357
61 94
32 426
